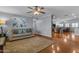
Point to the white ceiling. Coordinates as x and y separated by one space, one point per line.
58 11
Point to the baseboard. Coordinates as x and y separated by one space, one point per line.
19 38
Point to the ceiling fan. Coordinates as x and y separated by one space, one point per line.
37 10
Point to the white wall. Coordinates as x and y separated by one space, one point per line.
29 22
43 26
76 31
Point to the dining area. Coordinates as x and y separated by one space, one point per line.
65 38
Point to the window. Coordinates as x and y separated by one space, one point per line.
74 24
67 25
60 25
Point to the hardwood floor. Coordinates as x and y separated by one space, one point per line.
63 43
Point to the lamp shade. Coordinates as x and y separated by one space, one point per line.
2 21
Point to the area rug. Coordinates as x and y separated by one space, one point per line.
29 45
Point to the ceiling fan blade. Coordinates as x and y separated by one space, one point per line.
30 7
42 7
29 12
42 12
36 8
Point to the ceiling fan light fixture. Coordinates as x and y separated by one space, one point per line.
37 10
36 13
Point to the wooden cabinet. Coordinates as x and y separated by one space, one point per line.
2 42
